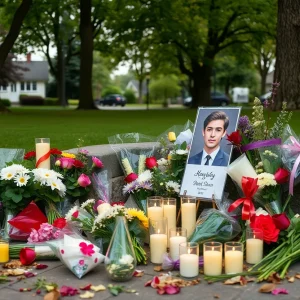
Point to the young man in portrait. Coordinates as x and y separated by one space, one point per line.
214 129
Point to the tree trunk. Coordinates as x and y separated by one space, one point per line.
86 56
140 91
60 79
263 79
14 30
287 68
201 76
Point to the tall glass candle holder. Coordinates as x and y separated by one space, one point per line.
212 258
155 207
189 260
233 257
169 208
4 247
254 245
158 230
177 236
188 214
42 149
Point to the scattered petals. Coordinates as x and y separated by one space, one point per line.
157 268
87 295
29 274
267 288
68 291
274 278
138 273
53 295
41 266
280 291
291 279
12 272
86 287
171 290
242 280
297 275
98 288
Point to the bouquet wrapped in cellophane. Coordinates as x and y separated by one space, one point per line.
133 162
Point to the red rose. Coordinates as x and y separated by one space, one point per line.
29 155
151 162
281 221
131 177
60 223
27 256
118 203
78 164
266 224
55 151
235 138
282 176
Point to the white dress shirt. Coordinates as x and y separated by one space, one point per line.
212 156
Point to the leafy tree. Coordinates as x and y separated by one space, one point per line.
111 89
122 80
130 96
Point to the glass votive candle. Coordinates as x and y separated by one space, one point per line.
188 214
42 148
254 245
212 258
158 230
4 247
189 260
155 207
233 257
177 236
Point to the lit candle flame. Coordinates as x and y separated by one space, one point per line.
254 237
189 251
168 202
154 204
233 249
213 248
177 233
158 231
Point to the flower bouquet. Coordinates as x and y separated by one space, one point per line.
79 255
98 218
133 162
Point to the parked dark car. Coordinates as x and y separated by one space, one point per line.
266 96
217 99
112 100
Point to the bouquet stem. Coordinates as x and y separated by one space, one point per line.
42 251
52 214
140 254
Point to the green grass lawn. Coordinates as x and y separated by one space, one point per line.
66 126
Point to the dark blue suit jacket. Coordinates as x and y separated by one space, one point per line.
221 159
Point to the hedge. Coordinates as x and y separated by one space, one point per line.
5 102
31 100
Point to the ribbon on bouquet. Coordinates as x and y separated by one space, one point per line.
295 147
260 144
250 187
42 158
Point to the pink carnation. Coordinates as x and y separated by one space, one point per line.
33 237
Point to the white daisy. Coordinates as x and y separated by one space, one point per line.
173 185
145 176
7 174
87 202
21 179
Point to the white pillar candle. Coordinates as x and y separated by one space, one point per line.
239 168
42 147
188 217
174 246
170 214
233 261
189 265
212 261
254 250
155 212
158 246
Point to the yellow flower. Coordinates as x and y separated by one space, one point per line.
68 155
172 136
169 156
133 212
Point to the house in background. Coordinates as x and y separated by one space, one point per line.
134 85
33 81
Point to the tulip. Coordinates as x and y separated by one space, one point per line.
172 136
281 176
27 256
84 180
131 177
97 162
281 221
151 162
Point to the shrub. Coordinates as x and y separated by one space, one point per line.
5 102
130 96
31 100
73 101
51 101
111 89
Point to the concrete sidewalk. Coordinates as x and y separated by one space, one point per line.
58 273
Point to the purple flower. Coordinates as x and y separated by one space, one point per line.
245 126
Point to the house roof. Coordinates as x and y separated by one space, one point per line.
36 70
270 78
135 83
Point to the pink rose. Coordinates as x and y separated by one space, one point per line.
84 180
131 177
66 162
97 162
281 221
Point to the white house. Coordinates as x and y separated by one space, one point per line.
33 81
134 85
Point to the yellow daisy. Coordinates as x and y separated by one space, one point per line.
133 212
68 155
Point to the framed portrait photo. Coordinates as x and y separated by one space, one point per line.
206 167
